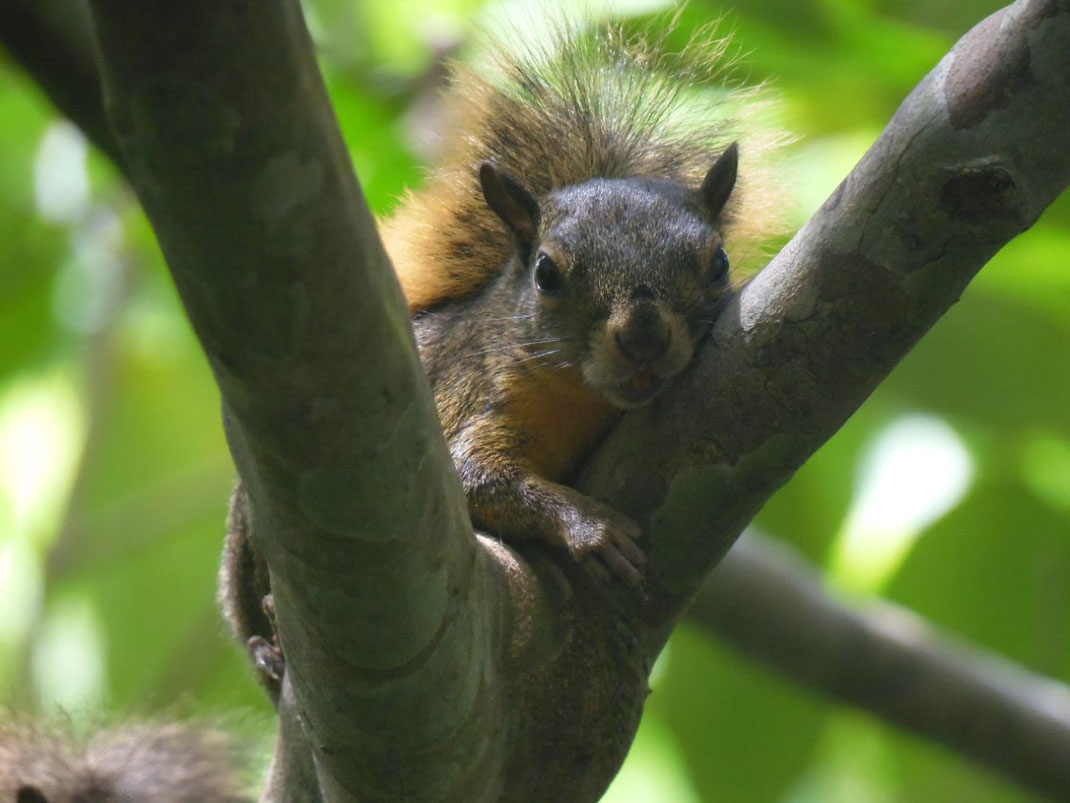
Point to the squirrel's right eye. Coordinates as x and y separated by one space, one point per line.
719 266
547 275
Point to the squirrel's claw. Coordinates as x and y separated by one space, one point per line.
620 567
622 556
609 538
270 664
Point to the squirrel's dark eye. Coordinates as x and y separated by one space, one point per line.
547 275
719 266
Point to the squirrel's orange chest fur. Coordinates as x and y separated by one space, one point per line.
557 419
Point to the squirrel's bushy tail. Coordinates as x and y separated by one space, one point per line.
165 763
591 103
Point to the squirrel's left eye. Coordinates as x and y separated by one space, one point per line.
719 266
547 275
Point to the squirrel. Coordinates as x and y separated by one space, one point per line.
560 266
164 762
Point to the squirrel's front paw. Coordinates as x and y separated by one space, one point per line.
609 538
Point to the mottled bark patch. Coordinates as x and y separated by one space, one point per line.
976 83
982 194
868 305
1040 10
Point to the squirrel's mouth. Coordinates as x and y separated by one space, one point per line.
636 390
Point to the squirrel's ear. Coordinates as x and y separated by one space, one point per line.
517 208
718 184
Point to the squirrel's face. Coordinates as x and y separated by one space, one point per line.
619 278
628 272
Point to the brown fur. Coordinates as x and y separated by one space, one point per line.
592 104
559 417
168 763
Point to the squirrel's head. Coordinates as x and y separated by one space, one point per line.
618 277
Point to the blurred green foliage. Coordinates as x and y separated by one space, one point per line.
114 473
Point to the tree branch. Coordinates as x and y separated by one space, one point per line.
764 600
381 593
971 159
50 39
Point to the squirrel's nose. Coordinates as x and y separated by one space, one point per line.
643 345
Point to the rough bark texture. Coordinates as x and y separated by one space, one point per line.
426 664
387 609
